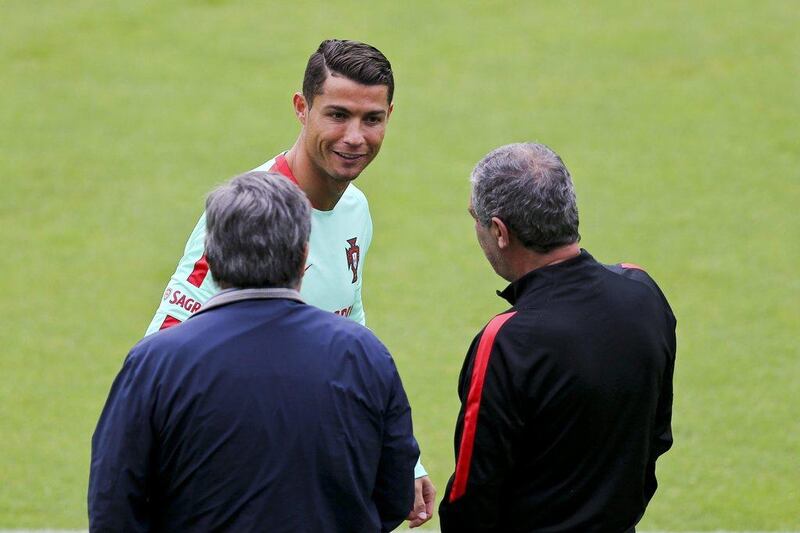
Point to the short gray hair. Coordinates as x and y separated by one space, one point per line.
528 187
257 227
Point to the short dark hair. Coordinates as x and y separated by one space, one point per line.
527 186
257 227
356 61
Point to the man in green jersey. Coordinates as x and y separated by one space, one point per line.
343 109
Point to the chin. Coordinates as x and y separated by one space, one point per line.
345 176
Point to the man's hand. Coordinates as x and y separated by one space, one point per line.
424 498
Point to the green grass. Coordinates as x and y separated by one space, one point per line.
679 121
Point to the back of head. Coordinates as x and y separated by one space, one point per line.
529 188
257 228
353 60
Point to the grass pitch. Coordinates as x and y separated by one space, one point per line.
678 120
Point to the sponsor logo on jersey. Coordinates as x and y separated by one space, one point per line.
353 255
176 297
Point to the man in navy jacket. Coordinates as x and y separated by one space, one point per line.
260 413
567 396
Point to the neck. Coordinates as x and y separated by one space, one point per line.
322 191
529 260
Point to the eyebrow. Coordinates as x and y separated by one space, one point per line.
342 109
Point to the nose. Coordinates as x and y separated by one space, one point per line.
353 135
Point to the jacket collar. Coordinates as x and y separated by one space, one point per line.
229 296
543 277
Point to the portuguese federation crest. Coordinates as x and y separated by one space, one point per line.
353 255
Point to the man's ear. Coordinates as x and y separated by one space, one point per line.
303 267
500 232
300 107
305 256
389 113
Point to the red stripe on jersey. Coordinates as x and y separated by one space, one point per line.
199 272
282 166
474 403
631 265
169 321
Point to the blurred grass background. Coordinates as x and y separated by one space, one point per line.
679 121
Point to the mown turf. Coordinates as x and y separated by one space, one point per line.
679 121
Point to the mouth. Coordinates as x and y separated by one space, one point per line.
349 157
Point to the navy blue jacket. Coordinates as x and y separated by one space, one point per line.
566 404
261 414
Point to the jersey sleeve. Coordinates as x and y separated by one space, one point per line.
489 422
190 287
419 470
358 314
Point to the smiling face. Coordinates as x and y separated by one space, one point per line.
344 127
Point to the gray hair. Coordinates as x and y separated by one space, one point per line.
528 187
257 227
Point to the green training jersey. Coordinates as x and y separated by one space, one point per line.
338 244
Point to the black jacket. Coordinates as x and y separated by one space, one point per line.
566 404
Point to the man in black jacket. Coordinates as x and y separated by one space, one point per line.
567 397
